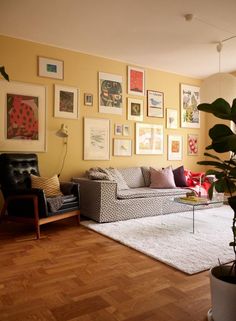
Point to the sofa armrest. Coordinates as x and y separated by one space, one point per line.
93 195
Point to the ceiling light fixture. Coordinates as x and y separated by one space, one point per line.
220 84
189 17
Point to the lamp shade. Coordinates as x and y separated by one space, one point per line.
63 131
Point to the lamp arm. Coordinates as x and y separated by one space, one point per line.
64 158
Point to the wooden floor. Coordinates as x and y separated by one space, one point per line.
75 274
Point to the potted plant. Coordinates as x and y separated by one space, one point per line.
3 73
223 277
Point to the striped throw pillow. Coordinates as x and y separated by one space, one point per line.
51 186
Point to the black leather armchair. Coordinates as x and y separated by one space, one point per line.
26 204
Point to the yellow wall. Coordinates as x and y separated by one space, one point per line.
80 70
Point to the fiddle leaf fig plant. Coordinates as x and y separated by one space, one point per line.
3 73
223 139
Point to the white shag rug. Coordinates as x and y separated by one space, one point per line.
169 238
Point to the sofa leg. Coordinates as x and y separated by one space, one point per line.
37 227
77 217
3 211
36 217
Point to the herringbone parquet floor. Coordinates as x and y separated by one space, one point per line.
75 274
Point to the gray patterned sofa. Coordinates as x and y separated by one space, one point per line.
109 201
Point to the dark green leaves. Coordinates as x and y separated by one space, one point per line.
213 163
220 108
223 139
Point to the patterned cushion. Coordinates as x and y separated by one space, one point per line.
163 178
51 186
133 176
146 175
116 176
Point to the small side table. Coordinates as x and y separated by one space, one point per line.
202 201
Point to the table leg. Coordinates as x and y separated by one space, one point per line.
193 219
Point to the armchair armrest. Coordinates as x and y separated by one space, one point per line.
23 197
15 200
68 188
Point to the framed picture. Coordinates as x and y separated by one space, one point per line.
189 100
126 130
135 109
110 94
122 147
155 103
118 129
149 139
51 68
192 141
22 117
174 147
88 99
136 81
171 118
96 139
66 102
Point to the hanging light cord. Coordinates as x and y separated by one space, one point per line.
190 17
219 48
64 158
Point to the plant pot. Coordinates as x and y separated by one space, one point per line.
223 295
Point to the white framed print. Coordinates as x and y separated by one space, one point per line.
192 141
155 103
118 129
135 109
110 94
175 147
51 68
189 100
22 117
66 102
96 139
122 147
126 130
88 99
149 139
171 118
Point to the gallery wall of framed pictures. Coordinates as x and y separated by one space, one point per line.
67 87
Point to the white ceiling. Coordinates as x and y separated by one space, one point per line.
148 33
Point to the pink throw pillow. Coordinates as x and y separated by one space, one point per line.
163 178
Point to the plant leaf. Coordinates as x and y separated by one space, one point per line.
219 131
223 139
233 110
220 108
214 163
212 156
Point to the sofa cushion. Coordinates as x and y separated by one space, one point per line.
133 176
179 177
146 192
163 178
116 176
51 186
146 175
